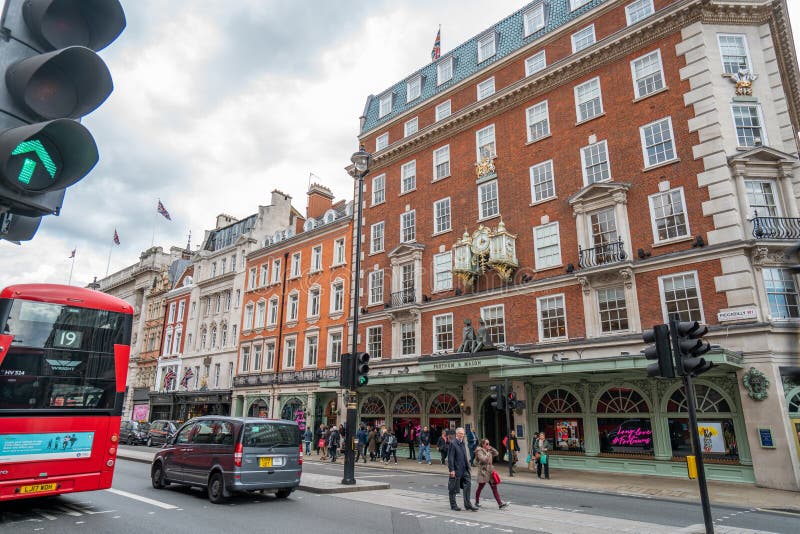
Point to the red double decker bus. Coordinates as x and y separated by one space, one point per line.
63 364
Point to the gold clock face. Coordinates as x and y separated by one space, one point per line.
480 242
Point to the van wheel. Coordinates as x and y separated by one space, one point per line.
283 493
157 476
216 488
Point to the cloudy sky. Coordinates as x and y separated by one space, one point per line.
218 103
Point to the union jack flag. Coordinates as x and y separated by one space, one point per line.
116 237
163 211
437 46
188 375
168 378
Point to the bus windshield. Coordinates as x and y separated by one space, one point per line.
61 357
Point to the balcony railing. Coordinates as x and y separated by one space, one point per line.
776 227
601 254
401 298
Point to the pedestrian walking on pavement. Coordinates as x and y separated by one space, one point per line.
472 443
460 478
484 456
319 436
372 443
442 446
411 438
512 446
333 443
424 446
307 437
361 443
323 442
390 443
541 451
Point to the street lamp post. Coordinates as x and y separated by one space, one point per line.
361 161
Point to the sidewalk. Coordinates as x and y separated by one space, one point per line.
659 487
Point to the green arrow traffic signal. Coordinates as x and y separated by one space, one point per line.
29 165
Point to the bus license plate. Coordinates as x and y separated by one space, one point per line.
38 488
265 462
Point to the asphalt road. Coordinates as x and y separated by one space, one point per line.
415 504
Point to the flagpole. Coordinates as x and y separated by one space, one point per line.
71 267
108 263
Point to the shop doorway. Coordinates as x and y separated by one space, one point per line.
259 408
495 428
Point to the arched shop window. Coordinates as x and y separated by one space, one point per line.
291 408
557 419
715 426
373 411
794 404
406 405
625 427
445 405
259 408
405 416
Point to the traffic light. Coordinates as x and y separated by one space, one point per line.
53 77
361 373
691 347
498 397
511 399
660 350
347 370
18 228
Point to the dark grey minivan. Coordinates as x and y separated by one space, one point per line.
231 454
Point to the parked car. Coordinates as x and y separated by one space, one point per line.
224 455
160 432
133 432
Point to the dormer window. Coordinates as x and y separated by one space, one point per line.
385 105
487 47
330 215
308 225
413 88
575 4
533 19
444 70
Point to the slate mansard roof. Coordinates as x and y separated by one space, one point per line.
510 38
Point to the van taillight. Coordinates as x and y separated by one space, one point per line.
237 455
300 458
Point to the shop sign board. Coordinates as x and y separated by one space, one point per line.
765 438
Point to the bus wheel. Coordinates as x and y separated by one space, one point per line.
157 476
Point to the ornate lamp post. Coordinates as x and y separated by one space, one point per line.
361 161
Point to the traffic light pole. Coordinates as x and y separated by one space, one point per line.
698 453
349 449
688 387
508 431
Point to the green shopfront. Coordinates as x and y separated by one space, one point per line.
600 414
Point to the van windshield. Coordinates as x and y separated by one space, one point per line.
271 435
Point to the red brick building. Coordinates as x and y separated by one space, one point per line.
295 307
571 176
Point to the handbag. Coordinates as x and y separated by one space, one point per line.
543 459
452 485
528 459
321 443
495 478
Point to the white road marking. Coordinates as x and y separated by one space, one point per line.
44 514
68 511
135 497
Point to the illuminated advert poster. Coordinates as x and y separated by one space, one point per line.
49 446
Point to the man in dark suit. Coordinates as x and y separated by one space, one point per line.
458 464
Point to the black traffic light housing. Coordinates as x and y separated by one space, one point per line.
347 368
660 350
498 397
52 77
361 371
690 346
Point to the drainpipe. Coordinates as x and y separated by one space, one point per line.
279 345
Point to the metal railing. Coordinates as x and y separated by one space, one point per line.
601 254
776 227
401 298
